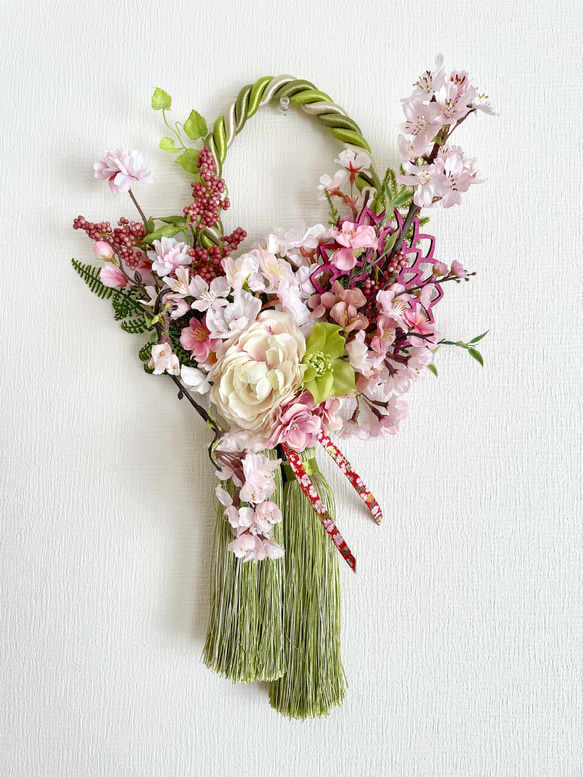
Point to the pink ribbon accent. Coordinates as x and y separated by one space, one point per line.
314 498
355 479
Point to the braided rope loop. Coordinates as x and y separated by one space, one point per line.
302 93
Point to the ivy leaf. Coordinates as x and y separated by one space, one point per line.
188 160
476 355
195 126
432 368
161 100
167 144
479 337
168 231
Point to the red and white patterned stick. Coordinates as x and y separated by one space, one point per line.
314 498
357 482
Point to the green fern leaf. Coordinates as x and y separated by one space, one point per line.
135 326
90 275
145 352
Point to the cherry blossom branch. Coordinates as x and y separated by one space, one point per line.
210 421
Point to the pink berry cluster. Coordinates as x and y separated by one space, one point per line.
124 238
207 261
389 275
204 211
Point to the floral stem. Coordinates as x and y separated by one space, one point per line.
140 211
217 429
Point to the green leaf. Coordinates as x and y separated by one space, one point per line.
479 337
161 100
188 160
477 355
390 243
178 221
195 126
168 231
167 144
432 368
403 198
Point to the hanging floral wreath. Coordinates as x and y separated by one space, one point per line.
315 331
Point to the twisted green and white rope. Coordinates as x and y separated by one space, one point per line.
302 93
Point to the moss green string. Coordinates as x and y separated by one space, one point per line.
314 681
245 633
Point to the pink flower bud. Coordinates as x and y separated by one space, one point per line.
458 270
104 251
112 277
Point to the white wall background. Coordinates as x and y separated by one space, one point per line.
463 630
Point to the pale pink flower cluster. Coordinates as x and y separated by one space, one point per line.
251 524
440 174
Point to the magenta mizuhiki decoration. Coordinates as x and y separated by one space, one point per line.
312 333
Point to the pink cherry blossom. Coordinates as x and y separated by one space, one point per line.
420 328
252 547
196 339
456 175
170 254
354 163
423 122
259 482
454 104
163 360
121 169
206 295
428 180
384 336
348 317
389 422
428 82
409 150
298 428
182 284
267 513
113 277
353 237
393 303
243 270
333 186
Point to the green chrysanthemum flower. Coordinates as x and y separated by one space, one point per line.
327 374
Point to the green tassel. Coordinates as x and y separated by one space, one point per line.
314 681
245 633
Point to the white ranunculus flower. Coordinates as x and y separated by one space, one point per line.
259 371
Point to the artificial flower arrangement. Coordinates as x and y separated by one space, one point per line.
312 332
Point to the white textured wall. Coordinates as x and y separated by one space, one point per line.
463 630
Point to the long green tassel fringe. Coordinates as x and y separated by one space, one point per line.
314 680
245 634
